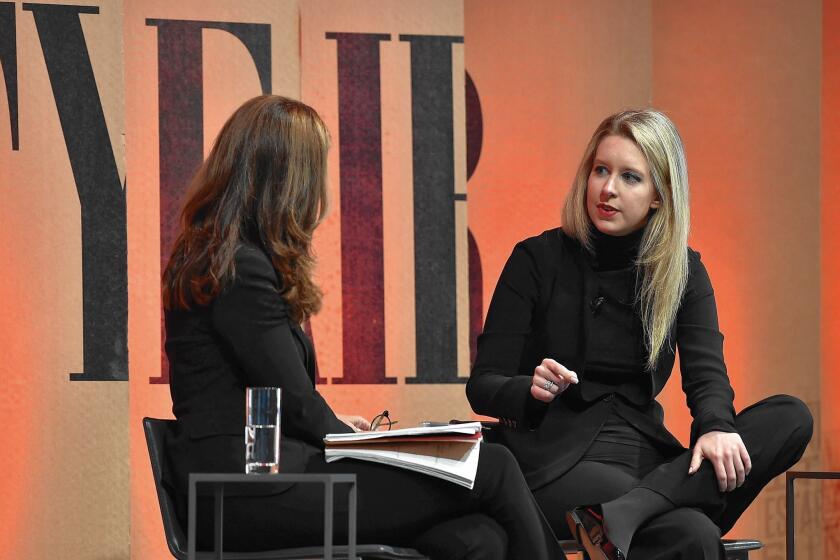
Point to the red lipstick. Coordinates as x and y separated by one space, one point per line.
606 211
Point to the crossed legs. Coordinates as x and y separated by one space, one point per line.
679 515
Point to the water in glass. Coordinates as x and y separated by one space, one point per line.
262 429
262 448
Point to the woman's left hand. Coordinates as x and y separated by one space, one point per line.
358 423
727 454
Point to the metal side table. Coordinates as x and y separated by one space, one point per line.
218 481
790 477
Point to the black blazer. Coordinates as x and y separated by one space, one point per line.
541 309
243 338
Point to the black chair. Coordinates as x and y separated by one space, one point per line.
156 432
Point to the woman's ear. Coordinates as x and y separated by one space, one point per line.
656 203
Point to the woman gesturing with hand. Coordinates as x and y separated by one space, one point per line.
596 311
550 379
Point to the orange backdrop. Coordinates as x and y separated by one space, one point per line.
743 83
515 90
830 268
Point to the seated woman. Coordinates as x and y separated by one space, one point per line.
236 289
580 338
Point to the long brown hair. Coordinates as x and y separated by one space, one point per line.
265 182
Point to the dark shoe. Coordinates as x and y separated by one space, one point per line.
587 526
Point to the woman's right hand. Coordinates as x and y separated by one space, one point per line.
550 379
358 423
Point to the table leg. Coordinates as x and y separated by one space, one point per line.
219 503
351 525
191 524
789 518
328 520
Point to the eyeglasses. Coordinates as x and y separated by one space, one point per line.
381 420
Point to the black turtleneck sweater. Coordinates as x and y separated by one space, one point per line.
615 346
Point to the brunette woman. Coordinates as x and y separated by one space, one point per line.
581 337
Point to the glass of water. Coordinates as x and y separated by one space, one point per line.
262 429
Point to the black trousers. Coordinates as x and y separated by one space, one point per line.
775 431
499 518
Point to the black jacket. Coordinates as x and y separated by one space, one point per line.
243 338
541 309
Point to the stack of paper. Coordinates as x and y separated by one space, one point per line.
447 452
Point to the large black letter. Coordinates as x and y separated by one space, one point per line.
181 113
434 208
475 137
360 155
102 197
8 59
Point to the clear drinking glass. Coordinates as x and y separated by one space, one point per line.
262 429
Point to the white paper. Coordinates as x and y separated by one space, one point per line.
461 472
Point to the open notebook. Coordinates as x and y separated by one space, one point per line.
447 452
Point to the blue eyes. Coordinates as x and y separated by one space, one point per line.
628 176
631 177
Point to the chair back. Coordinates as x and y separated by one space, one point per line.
156 432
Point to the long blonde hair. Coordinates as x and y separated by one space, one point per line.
662 264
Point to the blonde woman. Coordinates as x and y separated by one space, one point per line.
580 338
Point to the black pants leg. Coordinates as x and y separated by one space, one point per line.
588 482
684 533
775 431
679 533
469 537
499 518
